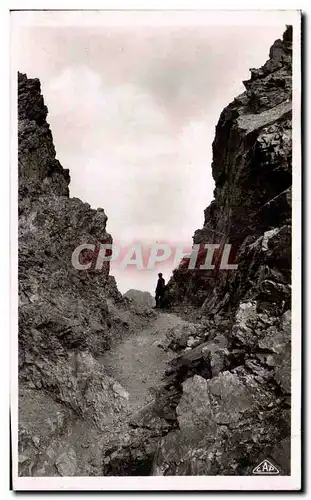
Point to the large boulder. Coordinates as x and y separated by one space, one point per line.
226 425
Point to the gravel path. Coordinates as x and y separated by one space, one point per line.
137 363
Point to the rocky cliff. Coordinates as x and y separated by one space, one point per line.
67 317
235 404
252 172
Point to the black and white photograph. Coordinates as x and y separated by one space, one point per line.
156 290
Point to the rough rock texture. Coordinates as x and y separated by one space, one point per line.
252 172
233 399
68 406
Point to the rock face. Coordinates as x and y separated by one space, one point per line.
252 172
67 402
233 408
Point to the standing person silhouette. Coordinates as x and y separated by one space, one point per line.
159 292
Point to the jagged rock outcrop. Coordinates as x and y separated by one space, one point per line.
233 404
252 172
67 317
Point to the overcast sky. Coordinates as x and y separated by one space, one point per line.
133 111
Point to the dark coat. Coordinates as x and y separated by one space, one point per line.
160 286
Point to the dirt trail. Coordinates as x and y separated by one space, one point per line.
137 363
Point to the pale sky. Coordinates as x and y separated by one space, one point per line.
133 109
